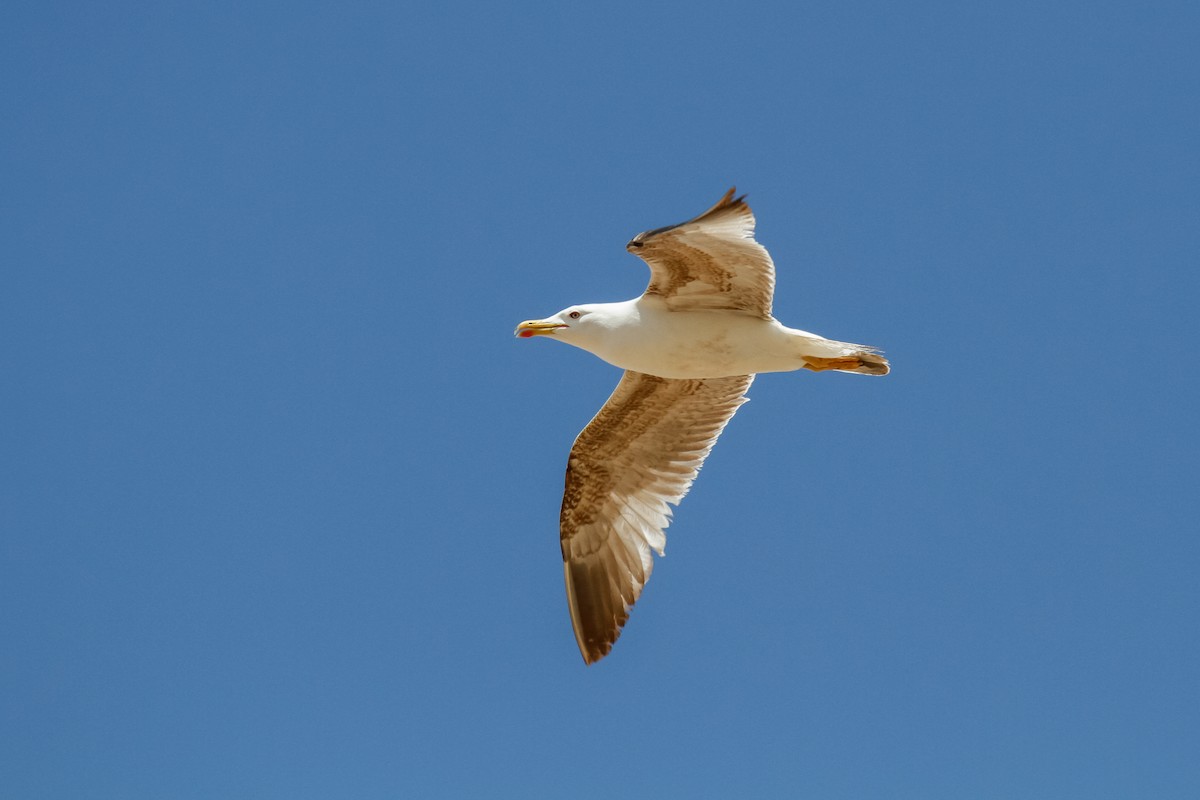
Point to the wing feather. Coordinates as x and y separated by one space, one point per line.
710 263
640 452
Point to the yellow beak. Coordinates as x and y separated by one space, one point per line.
537 327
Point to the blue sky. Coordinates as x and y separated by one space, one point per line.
279 496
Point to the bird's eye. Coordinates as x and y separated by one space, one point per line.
574 315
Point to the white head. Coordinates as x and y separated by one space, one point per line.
577 325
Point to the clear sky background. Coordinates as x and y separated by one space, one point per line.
280 490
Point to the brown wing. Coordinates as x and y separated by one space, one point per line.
641 452
711 262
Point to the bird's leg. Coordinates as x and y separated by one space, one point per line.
819 364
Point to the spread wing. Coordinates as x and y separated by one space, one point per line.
640 452
709 263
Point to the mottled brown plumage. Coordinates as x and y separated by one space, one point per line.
641 452
710 263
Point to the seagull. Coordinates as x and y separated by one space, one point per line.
690 347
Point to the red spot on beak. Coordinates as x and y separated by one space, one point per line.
525 334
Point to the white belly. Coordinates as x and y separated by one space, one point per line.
702 344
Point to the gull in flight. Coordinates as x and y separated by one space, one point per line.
690 347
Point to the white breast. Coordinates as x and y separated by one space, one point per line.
696 344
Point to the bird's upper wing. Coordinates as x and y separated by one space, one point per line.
709 263
640 452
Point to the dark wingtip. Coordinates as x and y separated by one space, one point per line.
592 656
596 615
728 200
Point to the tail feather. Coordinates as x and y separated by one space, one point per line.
871 362
821 354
